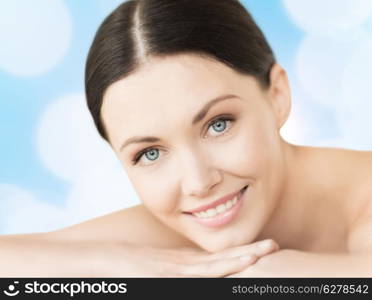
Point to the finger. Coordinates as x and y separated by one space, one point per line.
192 255
217 268
236 275
259 249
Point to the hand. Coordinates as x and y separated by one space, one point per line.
275 264
47 255
144 261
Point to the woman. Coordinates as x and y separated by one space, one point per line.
190 98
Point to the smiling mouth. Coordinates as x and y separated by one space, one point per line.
219 209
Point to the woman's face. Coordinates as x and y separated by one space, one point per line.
183 149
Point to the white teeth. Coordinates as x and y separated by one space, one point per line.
229 204
211 212
221 208
217 210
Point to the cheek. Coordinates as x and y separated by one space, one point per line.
248 153
156 194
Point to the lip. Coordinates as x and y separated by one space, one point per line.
223 218
217 202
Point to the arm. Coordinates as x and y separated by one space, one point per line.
356 262
294 263
44 255
36 255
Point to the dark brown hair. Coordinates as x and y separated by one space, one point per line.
136 30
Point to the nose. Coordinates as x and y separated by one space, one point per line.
199 175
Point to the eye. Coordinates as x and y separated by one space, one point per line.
218 125
150 153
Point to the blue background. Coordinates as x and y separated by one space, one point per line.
323 45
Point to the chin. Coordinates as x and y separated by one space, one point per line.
217 246
225 241
213 248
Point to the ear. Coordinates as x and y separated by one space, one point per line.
279 94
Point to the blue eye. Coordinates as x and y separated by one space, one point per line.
152 154
219 125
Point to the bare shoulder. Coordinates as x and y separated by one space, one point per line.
350 174
134 225
360 230
360 234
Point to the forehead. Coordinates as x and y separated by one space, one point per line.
164 78
165 88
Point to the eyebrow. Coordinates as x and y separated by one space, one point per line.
197 118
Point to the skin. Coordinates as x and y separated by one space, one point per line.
197 165
311 201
